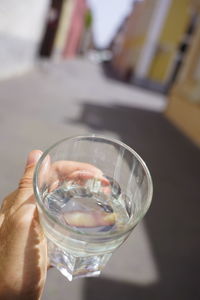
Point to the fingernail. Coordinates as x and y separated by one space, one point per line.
33 157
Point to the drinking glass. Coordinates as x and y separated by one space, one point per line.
91 191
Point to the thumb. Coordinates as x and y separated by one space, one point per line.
25 189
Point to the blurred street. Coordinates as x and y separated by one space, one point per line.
161 258
47 104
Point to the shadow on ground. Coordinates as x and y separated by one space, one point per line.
173 221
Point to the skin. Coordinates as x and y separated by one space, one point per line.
23 247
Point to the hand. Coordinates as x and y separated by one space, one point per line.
23 249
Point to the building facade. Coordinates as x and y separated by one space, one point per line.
76 29
154 41
21 28
183 108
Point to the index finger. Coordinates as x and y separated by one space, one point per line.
72 169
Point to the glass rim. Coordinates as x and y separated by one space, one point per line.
68 228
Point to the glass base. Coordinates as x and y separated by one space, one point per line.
75 266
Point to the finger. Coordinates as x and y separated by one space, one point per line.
8 202
82 176
69 169
44 175
89 219
25 189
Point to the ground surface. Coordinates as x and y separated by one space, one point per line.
161 258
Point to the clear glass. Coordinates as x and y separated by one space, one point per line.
91 192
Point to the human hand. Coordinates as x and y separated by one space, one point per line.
23 249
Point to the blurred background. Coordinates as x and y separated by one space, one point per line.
125 69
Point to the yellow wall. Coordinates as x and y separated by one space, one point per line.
174 28
184 101
134 36
64 25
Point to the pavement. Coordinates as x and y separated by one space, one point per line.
160 260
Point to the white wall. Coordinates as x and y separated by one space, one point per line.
21 27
